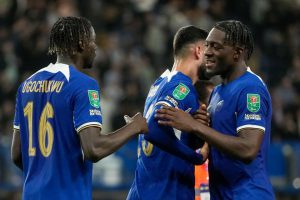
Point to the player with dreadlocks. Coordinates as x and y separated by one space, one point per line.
240 109
57 125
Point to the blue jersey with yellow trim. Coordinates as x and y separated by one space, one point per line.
165 167
242 103
52 106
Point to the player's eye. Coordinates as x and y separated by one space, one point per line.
217 46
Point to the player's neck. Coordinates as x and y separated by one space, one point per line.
184 66
237 72
65 60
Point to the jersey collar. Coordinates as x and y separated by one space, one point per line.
57 67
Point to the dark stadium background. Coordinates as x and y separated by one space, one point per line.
135 46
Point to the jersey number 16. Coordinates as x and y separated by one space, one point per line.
45 129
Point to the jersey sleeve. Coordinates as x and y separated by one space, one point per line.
181 96
164 136
17 111
252 111
87 109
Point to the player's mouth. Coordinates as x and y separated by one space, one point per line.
210 63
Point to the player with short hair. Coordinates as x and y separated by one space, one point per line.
166 157
240 110
58 120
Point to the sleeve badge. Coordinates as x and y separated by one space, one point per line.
253 102
181 91
94 98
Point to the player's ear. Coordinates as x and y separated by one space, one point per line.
198 51
80 46
238 52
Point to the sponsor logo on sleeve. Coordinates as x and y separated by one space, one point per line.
181 91
253 102
252 117
94 98
173 101
95 112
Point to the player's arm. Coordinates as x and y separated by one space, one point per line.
87 116
97 145
250 132
251 122
16 154
243 147
177 95
164 138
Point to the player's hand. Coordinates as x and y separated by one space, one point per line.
127 119
175 118
202 116
139 122
204 151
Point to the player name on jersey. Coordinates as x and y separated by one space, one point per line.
43 86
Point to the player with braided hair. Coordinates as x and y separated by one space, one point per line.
70 36
57 125
240 109
237 34
67 33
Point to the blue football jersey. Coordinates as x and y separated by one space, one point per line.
160 174
52 106
242 103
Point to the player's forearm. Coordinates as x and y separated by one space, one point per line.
96 145
109 143
19 164
169 143
16 157
16 154
180 150
237 147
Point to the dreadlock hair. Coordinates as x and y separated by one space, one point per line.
67 33
237 34
187 35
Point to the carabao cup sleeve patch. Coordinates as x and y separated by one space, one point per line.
181 91
94 98
179 96
253 102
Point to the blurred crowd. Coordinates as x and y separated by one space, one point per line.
135 46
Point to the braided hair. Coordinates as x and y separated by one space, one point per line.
238 34
68 35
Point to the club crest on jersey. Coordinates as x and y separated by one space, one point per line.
253 102
94 98
181 91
